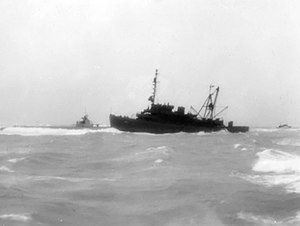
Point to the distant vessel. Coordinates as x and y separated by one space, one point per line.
284 126
161 118
84 122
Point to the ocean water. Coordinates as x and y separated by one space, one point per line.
107 177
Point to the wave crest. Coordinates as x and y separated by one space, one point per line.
264 220
288 142
6 169
277 161
39 131
16 217
276 168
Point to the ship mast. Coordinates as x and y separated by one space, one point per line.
214 104
152 97
210 103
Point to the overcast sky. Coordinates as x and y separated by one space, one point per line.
59 57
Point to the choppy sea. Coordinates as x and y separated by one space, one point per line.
107 177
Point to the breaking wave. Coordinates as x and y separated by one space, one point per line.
15 160
288 142
264 220
277 161
39 131
276 168
5 169
156 154
16 217
68 179
236 146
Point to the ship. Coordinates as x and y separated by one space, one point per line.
284 126
84 122
162 118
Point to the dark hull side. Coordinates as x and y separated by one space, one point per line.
139 125
238 129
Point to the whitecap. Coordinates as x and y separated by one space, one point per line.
151 153
257 219
36 131
277 161
6 169
39 131
15 160
276 168
266 220
108 130
69 179
159 161
236 146
16 217
290 182
157 150
288 142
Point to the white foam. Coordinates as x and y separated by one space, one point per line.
151 153
15 160
159 161
157 150
6 169
31 131
236 146
288 142
16 217
68 179
290 182
239 146
201 133
39 131
265 220
257 219
276 168
277 161
295 219
108 130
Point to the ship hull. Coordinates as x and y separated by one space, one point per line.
237 129
158 127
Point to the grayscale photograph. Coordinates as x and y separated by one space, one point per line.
150 113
